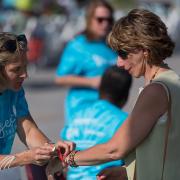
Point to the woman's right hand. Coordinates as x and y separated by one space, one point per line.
39 155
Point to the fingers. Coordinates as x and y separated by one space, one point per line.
50 177
65 146
115 173
104 172
101 177
72 145
44 152
49 146
40 155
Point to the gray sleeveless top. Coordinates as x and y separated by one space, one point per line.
149 154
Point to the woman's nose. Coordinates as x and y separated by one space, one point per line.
24 74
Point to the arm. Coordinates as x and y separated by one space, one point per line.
29 133
71 68
151 104
33 137
40 150
78 81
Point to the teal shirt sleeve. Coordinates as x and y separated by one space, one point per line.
21 105
70 61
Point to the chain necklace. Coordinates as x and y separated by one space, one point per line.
154 75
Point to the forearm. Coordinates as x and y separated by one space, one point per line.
35 138
30 134
14 160
97 155
74 81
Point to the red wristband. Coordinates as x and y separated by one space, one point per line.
60 156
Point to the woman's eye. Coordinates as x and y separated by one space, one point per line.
17 69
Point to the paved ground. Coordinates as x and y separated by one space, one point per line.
46 101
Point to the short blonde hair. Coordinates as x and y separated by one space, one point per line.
142 29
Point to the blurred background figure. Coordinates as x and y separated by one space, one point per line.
84 60
169 11
59 20
86 57
96 122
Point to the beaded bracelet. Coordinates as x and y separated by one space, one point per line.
70 161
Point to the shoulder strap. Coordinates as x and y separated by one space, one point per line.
168 124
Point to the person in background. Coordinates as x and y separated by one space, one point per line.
96 122
86 57
152 130
14 112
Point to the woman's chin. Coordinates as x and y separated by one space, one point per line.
17 87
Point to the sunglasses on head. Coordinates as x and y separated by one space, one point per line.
123 54
102 19
11 45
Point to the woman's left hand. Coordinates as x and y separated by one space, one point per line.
113 173
65 147
56 165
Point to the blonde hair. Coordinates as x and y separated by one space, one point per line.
142 29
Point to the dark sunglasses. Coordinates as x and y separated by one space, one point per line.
11 45
102 19
123 54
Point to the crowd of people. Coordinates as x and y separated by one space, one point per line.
99 140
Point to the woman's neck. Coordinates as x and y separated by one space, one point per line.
152 72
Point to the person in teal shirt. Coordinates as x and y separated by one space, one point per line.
96 122
13 106
14 114
86 57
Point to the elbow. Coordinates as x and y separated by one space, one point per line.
115 152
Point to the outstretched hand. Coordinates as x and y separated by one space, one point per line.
39 155
57 164
65 147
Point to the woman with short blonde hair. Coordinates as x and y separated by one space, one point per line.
152 130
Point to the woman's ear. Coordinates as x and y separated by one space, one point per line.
146 53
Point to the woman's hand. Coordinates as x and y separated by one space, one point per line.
113 173
40 155
56 165
65 147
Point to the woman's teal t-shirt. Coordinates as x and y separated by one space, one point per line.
13 106
87 59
